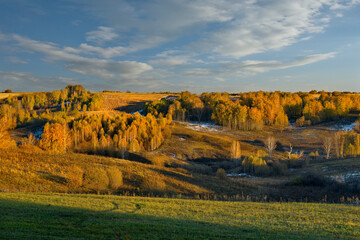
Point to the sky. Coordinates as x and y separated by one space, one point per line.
173 45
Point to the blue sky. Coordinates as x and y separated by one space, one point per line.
173 45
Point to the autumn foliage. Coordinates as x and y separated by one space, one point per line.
56 137
119 134
253 110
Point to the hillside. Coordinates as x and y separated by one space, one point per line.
81 147
129 102
29 169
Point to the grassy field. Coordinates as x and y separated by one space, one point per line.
6 95
64 216
128 102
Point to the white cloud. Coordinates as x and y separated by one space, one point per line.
170 61
271 25
103 34
17 76
14 59
171 58
109 52
229 28
220 79
87 66
199 72
17 80
263 66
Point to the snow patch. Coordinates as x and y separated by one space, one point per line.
344 127
347 178
140 111
38 132
240 175
202 126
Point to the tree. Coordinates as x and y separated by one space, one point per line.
134 146
327 145
339 144
290 150
115 178
235 150
56 137
28 102
270 145
122 147
96 179
5 139
197 108
221 174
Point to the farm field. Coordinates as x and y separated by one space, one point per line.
72 216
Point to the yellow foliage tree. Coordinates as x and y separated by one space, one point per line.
56 137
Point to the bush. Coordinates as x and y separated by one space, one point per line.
314 155
153 183
301 122
74 177
96 179
279 168
8 91
198 168
221 174
115 178
294 156
310 179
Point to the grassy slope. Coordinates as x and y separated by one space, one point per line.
29 169
129 101
6 95
63 216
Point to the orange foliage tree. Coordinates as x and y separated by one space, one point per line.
56 137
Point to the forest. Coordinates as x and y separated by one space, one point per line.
253 110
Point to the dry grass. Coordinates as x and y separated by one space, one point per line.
128 101
6 95
30 169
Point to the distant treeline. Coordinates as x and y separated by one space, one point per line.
48 105
66 128
253 110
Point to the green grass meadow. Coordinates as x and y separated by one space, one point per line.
72 216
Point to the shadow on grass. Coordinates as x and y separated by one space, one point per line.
24 220
52 177
132 106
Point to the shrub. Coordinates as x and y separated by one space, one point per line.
314 155
254 164
115 178
74 177
8 91
153 183
310 179
95 179
294 156
221 174
301 122
279 168
198 168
